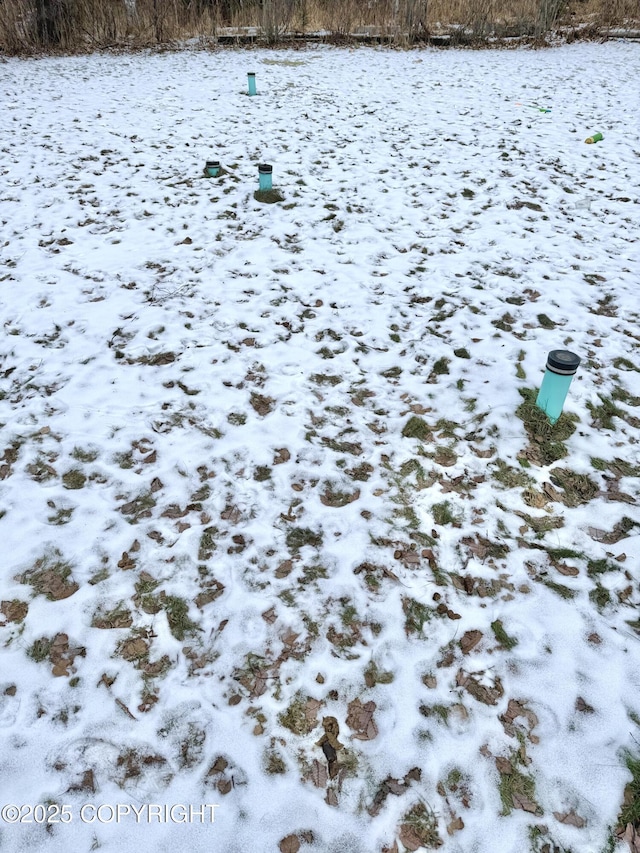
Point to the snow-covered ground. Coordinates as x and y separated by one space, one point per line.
275 535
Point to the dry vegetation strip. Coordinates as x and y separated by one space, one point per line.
28 26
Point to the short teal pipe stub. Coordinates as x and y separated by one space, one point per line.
251 76
560 369
212 168
265 176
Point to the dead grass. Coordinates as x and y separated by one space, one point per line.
50 575
417 428
133 764
443 514
630 811
546 440
118 617
298 537
560 589
335 496
577 488
86 456
145 598
42 470
373 675
139 508
74 479
39 649
511 477
416 615
177 611
134 648
273 763
300 716
268 196
419 828
14 610
517 789
502 637
604 414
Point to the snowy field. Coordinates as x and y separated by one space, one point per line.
282 532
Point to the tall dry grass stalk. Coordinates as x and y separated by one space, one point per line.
72 25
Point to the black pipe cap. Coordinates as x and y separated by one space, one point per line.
562 361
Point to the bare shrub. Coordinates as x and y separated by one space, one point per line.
276 18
